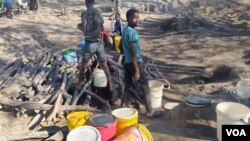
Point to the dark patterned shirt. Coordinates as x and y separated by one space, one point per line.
92 23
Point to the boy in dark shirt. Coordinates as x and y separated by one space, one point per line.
91 25
118 26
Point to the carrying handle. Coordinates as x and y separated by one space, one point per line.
87 117
244 122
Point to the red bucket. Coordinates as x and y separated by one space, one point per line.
106 124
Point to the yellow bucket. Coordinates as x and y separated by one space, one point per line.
76 119
136 132
126 117
117 43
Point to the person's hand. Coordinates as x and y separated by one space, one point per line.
136 75
79 26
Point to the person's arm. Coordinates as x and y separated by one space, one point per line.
81 26
132 46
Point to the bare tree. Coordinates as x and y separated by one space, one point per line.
118 6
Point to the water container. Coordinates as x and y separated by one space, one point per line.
84 133
1 4
230 113
106 125
126 117
82 43
117 43
75 119
100 79
70 56
135 133
156 91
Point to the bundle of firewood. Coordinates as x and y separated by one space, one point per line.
46 85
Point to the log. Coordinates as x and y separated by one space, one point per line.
110 61
16 67
40 97
70 82
24 135
43 69
12 89
60 135
7 66
68 98
59 98
34 71
36 121
53 97
52 113
43 107
74 96
106 104
77 96
19 68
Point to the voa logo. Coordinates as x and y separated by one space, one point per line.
236 132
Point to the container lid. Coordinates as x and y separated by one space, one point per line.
171 105
196 101
102 119
68 51
84 133
124 113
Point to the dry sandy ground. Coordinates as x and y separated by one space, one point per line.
218 41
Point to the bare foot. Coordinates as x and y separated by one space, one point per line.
154 114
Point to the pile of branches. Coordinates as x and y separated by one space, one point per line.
183 23
45 85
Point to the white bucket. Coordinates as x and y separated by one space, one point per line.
155 90
84 133
100 79
230 113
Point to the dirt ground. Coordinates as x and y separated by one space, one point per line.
201 47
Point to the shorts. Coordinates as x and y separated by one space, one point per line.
91 48
8 5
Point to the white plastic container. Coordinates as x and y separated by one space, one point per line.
243 89
100 79
70 56
230 113
84 133
156 91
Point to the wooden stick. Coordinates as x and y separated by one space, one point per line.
76 97
36 121
59 98
7 66
27 135
100 99
68 98
110 61
60 135
46 74
34 70
71 80
43 107
38 78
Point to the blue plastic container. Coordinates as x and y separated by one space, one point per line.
82 43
